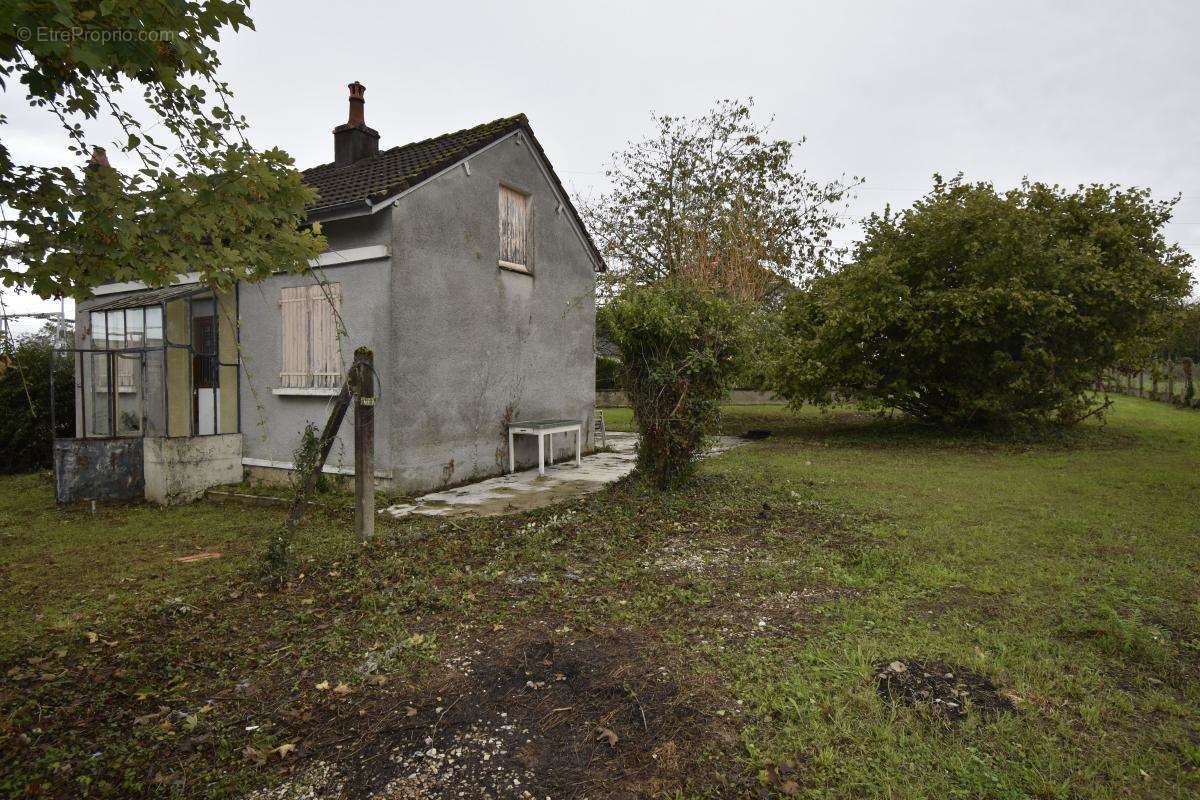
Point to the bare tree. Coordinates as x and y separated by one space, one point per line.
716 200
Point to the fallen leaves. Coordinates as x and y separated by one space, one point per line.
254 756
778 777
146 719
341 689
259 757
604 734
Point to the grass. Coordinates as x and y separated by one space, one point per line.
1066 571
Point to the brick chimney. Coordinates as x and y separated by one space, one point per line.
354 140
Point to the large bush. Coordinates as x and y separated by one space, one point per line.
678 346
976 307
25 437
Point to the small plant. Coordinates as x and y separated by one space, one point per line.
278 562
279 559
306 457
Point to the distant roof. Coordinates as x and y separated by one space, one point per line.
375 178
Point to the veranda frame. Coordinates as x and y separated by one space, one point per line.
167 345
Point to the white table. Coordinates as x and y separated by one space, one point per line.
542 428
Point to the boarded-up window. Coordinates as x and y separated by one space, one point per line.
514 228
311 356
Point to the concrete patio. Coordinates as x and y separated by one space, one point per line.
522 491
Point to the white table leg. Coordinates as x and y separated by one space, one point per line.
512 457
541 454
578 447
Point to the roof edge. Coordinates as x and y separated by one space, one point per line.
385 197
589 242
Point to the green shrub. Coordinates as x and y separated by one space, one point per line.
981 308
608 374
25 436
678 345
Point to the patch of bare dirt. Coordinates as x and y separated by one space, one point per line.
982 605
943 691
575 718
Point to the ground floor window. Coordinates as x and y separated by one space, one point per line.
311 320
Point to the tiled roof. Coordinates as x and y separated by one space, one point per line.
382 175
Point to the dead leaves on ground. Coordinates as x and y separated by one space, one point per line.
341 689
259 757
604 734
779 778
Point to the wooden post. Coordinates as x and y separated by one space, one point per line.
364 443
1154 381
1170 381
1142 382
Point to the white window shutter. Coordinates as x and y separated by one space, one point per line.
514 227
325 305
294 304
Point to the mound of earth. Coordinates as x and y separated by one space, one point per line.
944 691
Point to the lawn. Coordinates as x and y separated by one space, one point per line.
723 640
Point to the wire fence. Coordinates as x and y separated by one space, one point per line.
1164 381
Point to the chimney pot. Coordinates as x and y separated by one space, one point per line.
357 101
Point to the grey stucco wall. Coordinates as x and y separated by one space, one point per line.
272 423
477 345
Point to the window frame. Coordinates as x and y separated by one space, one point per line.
112 340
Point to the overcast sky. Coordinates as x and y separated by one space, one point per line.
1067 92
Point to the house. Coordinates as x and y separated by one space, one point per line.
459 260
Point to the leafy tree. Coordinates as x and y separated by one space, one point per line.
1181 337
979 307
678 343
716 200
25 435
201 198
